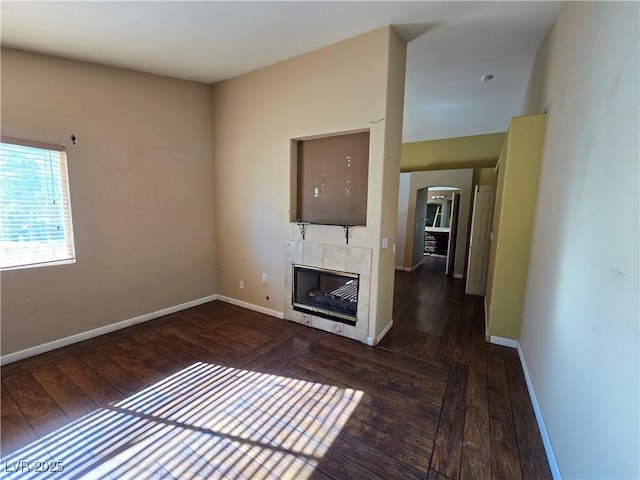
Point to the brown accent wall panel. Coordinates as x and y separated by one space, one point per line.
333 176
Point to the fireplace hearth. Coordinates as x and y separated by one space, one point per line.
331 289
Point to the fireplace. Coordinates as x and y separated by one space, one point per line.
326 293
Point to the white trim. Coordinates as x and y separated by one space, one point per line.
505 342
251 306
487 336
371 341
546 441
400 267
458 275
63 342
417 265
52 263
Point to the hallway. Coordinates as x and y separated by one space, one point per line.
487 428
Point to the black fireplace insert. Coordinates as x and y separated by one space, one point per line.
326 293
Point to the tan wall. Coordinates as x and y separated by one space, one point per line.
391 181
403 217
340 88
580 330
475 151
141 180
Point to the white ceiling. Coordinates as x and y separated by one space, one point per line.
451 45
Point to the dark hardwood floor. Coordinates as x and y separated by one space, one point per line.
222 392
487 427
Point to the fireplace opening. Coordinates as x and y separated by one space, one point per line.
326 293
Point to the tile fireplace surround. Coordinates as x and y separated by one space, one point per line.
342 258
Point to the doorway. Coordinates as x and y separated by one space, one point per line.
412 214
441 206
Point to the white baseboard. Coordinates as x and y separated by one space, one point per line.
546 441
406 269
417 265
374 341
63 342
457 275
400 268
251 306
505 342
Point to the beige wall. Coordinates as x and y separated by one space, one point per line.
580 333
141 180
388 199
348 86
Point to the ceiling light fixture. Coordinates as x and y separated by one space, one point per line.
486 78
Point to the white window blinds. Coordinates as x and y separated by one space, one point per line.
35 207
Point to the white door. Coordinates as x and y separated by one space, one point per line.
453 232
480 242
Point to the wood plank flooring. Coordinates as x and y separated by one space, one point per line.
222 392
487 427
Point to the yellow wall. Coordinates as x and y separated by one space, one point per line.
485 176
495 227
141 181
353 85
517 189
476 151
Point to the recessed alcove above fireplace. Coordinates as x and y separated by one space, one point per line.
331 179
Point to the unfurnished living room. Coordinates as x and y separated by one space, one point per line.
320 240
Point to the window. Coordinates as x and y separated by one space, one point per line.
35 208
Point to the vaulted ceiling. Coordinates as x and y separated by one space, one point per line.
451 46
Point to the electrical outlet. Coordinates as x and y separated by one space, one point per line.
264 278
385 242
306 319
241 284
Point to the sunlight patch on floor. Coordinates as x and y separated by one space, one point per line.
206 421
